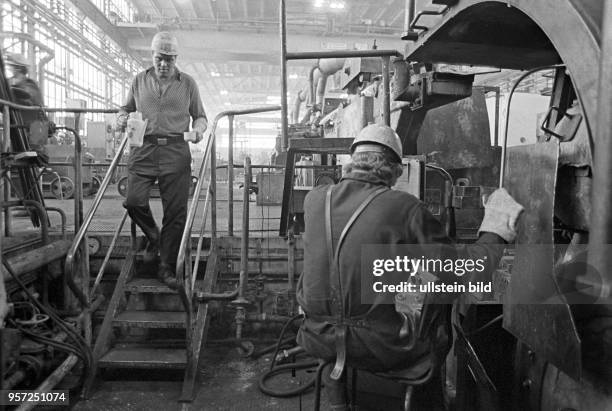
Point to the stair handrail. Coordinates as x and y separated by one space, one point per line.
186 237
80 235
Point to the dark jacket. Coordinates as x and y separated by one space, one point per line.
393 218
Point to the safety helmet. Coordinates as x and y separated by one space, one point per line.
17 60
376 136
165 43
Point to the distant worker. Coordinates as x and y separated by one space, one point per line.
340 325
27 93
168 99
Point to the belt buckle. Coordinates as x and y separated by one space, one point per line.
162 141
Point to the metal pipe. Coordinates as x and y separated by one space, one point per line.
496 136
291 259
108 254
230 176
600 234
200 241
308 55
52 380
40 210
244 243
62 215
502 168
6 191
78 238
55 109
425 13
213 190
185 239
283 76
386 91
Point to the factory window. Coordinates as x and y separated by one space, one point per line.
74 59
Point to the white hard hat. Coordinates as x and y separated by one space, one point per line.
376 136
165 43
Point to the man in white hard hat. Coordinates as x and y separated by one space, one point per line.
341 325
170 101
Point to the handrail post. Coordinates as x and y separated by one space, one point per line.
213 188
386 92
230 176
283 77
6 190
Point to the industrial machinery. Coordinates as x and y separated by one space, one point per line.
553 347
541 340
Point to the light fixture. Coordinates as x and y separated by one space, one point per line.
224 92
215 74
293 76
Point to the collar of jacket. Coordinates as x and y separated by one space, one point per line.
151 71
364 177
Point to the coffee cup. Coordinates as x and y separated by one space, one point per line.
190 136
136 129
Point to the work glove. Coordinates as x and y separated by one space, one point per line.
121 122
501 215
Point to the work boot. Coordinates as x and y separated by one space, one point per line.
151 251
166 275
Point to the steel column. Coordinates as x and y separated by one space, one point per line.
283 39
600 235
386 92
230 175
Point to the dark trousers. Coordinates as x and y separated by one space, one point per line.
170 165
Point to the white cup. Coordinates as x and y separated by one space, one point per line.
190 136
135 129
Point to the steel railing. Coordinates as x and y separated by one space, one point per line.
81 224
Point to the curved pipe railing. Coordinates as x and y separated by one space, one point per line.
185 239
80 235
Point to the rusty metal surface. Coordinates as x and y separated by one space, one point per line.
457 135
545 323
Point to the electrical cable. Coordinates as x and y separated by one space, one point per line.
286 367
83 348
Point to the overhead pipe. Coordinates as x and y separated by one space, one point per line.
327 67
301 96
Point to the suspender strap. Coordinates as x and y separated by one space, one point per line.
340 328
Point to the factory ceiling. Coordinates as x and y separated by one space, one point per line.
232 47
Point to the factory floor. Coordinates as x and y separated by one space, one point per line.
228 382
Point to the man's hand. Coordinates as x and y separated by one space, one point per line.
501 214
121 121
199 136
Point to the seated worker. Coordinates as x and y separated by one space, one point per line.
374 336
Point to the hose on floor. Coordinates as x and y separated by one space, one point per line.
292 367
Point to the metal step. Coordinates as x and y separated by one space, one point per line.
153 358
148 285
151 319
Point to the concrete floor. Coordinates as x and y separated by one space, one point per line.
226 382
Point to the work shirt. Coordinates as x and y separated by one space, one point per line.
168 112
393 218
27 93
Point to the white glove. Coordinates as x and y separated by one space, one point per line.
501 215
